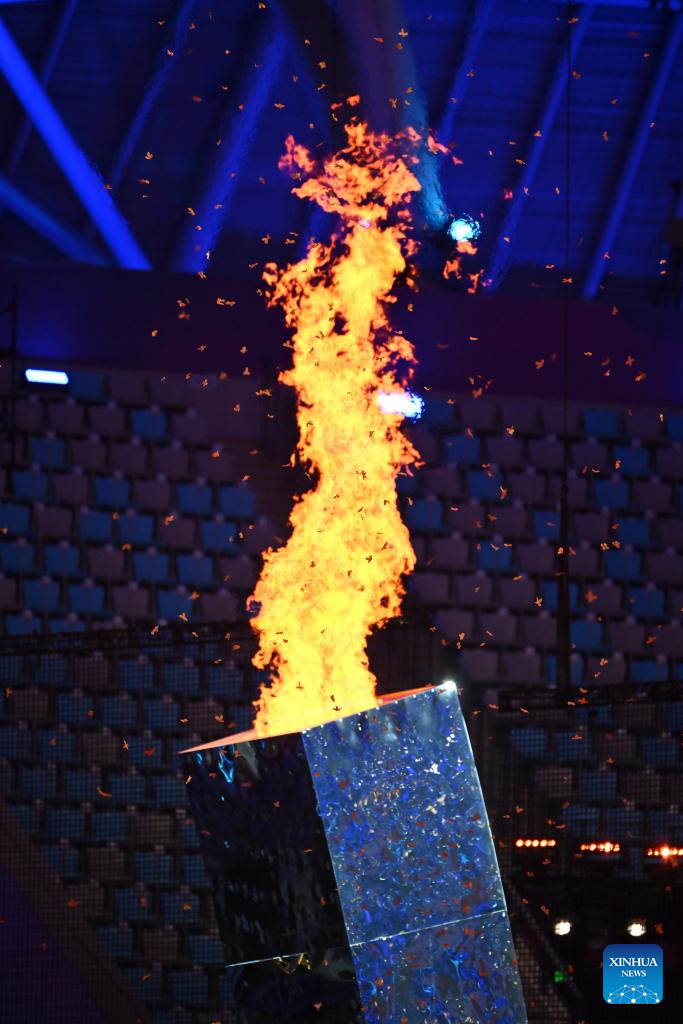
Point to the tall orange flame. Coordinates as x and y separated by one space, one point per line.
340 573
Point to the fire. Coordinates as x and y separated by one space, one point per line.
339 575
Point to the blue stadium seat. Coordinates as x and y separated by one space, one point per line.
150 566
635 531
673 716
148 424
136 673
57 746
437 412
612 493
61 559
127 788
41 595
623 822
207 950
424 515
62 858
461 448
546 524
569 748
21 625
85 385
86 598
145 752
169 791
81 784
633 461
180 909
484 486
70 624
194 871
95 526
136 529
226 681
132 904
14 519
219 536
496 558
180 677
189 988
550 596
237 502
153 868
195 499
29 486
172 603
39 783
112 491
51 669
119 711
66 821
586 635
48 451
581 820
660 751
73 708
665 826
530 741
601 422
110 826
646 602
647 670
28 816
621 564
599 785
161 714
16 557
674 426
195 570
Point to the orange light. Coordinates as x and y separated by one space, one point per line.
340 574
665 851
536 842
603 847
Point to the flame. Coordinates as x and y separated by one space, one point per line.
339 575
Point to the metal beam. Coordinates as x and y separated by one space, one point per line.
151 92
632 158
193 248
60 235
477 25
82 177
532 158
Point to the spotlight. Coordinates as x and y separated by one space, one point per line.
402 403
562 926
463 228
636 928
36 376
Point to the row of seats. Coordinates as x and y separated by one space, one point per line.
113 498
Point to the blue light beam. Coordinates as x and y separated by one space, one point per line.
82 177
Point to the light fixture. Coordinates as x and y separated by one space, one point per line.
401 403
636 928
562 926
535 843
37 376
463 228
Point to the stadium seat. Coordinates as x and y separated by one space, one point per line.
586 634
61 559
221 606
486 486
90 454
425 515
634 531
237 502
633 460
71 488
546 523
623 564
601 423
112 492
152 495
612 493
86 598
151 566
148 424
41 595
47 451
30 485
16 557
95 526
172 604
14 519
195 570
171 460
646 602
189 426
195 499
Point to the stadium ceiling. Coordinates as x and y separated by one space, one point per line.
146 133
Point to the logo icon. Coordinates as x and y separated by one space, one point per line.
632 974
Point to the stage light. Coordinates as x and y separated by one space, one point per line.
606 847
535 843
562 926
464 228
636 928
36 376
404 403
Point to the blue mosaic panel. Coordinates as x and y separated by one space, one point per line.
412 852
